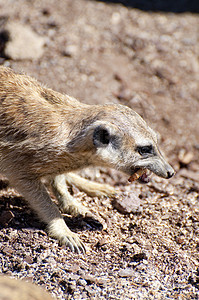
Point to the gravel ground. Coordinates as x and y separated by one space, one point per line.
105 52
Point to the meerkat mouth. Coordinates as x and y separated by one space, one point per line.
140 174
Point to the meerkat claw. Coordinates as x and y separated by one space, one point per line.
74 244
58 229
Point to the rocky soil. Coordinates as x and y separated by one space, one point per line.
107 52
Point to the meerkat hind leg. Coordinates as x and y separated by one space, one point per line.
91 188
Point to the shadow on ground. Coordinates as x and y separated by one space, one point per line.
178 6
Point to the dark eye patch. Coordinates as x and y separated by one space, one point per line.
145 150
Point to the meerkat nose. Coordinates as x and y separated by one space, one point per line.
170 174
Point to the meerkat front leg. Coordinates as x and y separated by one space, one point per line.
67 202
37 196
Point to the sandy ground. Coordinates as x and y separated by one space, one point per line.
101 53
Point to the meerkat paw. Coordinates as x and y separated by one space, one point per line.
67 203
74 243
58 230
91 188
75 209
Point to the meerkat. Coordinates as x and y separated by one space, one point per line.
45 134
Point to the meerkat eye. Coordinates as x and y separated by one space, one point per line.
101 137
145 150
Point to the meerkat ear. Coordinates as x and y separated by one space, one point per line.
101 136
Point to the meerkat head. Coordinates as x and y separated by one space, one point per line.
125 142
116 136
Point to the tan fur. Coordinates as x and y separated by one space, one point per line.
46 134
12 289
